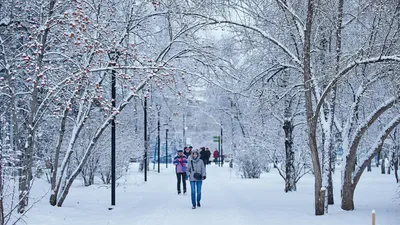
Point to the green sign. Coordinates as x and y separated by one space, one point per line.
216 138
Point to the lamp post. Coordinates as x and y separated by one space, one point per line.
113 177
145 139
166 145
113 58
158 138
222 152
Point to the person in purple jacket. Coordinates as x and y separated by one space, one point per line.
180 162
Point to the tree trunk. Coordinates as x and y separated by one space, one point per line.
91 178
331 200
369 168
354 164
383 166
1 186
53 180
347 196
22 185
351 180
332 160
83 114
32 120
326 156
311 119
290 184
378 160
321 200
396 163
290 172
233 131
396 168
15 139
85 181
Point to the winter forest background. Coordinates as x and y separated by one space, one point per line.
304 86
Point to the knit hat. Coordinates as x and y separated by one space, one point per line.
195 151
180 150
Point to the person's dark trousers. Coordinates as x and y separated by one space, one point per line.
181 177
216 161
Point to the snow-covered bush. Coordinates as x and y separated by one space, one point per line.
249 160
104 165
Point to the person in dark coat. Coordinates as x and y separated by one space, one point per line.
187 152
204 156
208 153
196 172
180 162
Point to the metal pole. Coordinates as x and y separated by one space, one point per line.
113 101
145 139
166 148
219 152
222 152
158 142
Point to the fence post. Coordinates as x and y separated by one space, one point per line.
373 217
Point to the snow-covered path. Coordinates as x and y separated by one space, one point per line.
227 199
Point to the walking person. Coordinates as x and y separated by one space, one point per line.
180 162
208 153
216 155
196 172
204 156
188 151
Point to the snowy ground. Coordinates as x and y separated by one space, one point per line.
227 199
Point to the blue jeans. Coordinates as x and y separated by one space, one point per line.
195 186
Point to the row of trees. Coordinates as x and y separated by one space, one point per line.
57 61
292 80
339 59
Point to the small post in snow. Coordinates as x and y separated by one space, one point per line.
373 217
